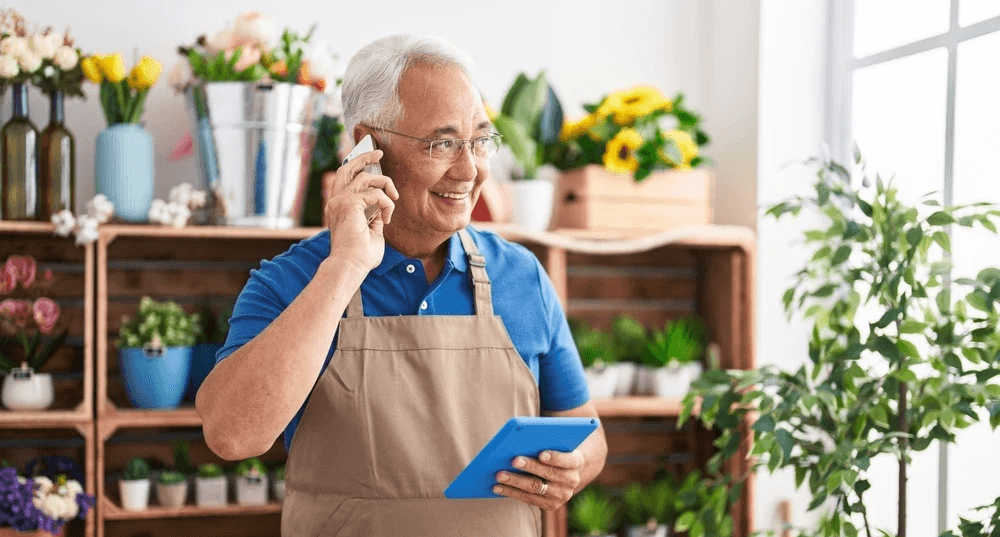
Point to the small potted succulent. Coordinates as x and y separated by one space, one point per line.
171 488
134 485
649 508
210 486
251 482
592 514
629 336
279 483
597 353
675 356
154 350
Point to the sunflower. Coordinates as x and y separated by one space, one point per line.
685 145
619 157
638 102
574 129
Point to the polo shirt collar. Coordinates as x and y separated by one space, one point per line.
456 257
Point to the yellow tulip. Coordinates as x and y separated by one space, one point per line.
144 74
112 67
90 69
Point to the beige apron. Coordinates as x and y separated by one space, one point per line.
405 403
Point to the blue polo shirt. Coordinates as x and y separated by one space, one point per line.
523 296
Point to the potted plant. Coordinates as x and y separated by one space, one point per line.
592 513
279 483
251 482
39 505
598 357
134 485
211 336
171 488
674 356
124 152
154 350
632 164
529 120
902 355
210 486
26 335
648 509
629 337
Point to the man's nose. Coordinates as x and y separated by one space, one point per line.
464 167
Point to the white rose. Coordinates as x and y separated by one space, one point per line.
64 222
44 484
198 199
177 214
156 210
259 28
73 487
181 193
66 58
8 66
14 46
87 231
42 46
30 62
100 208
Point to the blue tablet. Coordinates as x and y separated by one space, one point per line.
527 436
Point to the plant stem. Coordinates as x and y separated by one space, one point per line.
901 426
864 515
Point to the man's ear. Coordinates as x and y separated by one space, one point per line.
360 131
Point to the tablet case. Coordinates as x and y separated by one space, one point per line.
527 436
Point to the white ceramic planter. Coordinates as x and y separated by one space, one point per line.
173 495
532 203
626 377
694 370
32 391
135 494
279 490
644 379
672 381
210 491
251 491
602 381
645 531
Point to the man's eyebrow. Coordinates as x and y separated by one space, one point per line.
451 130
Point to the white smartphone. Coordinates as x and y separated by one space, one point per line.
366 145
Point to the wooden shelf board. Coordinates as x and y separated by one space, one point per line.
26 227
27 419
208 232
111 511
638 406
133 417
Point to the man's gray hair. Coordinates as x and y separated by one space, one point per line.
371 82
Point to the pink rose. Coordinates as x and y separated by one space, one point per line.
8 279
226 40
18 311
47 275
24 267
46 314
258 28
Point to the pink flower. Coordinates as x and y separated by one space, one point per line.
24 267
258 28
8 279
18 311
251 55
47 275
226 40
46 314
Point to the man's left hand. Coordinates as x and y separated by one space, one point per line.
554 473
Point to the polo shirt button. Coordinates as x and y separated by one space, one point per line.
410 268
423 305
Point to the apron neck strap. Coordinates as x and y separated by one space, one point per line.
355 307
481 286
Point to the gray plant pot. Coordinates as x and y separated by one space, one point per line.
279 490
173 495
211 491
645 531
251 491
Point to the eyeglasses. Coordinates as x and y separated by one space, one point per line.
483 147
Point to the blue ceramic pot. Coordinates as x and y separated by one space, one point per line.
202 362
155 381
124 170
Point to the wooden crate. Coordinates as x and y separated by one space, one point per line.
594 198
20 442
72 366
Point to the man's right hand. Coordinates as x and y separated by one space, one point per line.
352 238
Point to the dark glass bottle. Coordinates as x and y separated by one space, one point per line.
56 164
19 176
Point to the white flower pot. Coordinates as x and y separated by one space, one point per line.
694 370
135 494
645 531
32 391
602 381
532 203
672 381
626 377
644 380
279 490
251 491
173 495
210 491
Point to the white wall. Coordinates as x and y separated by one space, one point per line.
586 47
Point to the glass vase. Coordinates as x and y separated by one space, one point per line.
19 176
57 164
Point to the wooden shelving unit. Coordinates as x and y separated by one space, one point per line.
703 270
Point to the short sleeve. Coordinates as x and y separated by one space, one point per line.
562 384
259 303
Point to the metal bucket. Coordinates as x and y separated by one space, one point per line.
254 143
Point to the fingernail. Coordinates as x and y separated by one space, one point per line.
519 462
497 489
545 456
502 476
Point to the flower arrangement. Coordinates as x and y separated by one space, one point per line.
99 211
25 322
184 198
40 503
252 50
159 325
635 131
123 96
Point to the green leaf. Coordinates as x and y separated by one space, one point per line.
907 348
910 326
764 424
904 375
785 440
685 521
841 255
913 235
866 208
888 317
516 136
940 218
943 240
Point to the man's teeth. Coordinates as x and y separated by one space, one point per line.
450 195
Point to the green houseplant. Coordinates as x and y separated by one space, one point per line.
251 482
210 486
155 349
597 353
171 488
592 513
134 485
649 508
629 337
898 356
673 356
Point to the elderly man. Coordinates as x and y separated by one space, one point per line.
445 332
